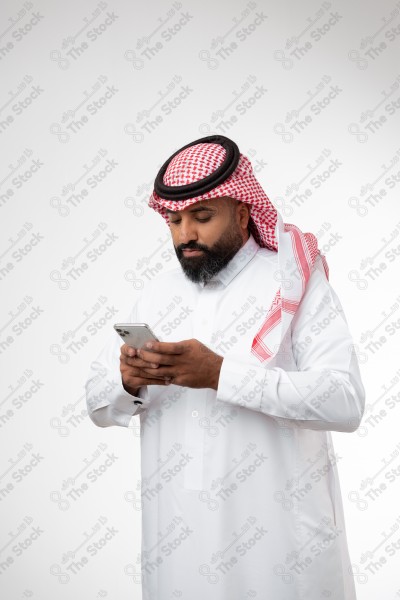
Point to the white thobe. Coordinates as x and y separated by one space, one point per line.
240 493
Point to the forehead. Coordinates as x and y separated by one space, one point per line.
203 205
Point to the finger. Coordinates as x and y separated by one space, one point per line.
155 357
137 362
159 372
128 350
165 347
137 371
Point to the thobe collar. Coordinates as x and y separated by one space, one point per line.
242 257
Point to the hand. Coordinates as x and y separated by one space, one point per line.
132 372
189 363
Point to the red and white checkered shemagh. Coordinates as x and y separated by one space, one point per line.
297 251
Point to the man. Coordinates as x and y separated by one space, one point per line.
240 491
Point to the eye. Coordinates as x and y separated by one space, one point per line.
199 220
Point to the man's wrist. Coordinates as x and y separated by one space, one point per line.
131 391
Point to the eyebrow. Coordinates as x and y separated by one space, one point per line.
197 209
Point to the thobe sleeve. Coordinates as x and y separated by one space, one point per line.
325 392
108 403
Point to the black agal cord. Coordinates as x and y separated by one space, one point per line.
197 188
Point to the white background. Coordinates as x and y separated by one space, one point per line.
94 98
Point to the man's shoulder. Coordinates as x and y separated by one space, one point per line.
318 292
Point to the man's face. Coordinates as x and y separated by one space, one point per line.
217 227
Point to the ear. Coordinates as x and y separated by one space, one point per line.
244 211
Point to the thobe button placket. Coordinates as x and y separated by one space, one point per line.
195 434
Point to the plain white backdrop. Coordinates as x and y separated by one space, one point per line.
94 98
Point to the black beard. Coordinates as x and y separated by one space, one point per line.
203 267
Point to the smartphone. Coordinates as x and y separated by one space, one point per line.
135 334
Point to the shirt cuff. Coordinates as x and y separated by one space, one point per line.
112 393
241 384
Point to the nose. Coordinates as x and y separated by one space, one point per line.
187 232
